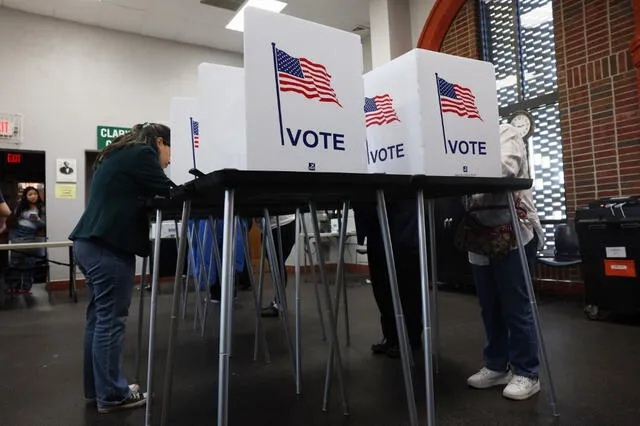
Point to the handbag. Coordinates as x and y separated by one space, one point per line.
491 241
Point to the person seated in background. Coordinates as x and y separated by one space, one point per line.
511 352
403 225
112 231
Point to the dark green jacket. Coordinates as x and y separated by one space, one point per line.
116 214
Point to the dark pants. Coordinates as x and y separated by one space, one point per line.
507 315
288 232
407 262
110 284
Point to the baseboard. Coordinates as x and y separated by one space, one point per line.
331 267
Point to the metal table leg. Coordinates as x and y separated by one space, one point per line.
343 239
313 278
281 296
152 315
298 332
544 363
260 282
340 285
260 336
426 319
145 264
397 308
226 305
175 307
334 344
434 283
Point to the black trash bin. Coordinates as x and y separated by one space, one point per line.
609 235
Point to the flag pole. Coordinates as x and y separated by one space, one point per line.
193 145
275 72
444 135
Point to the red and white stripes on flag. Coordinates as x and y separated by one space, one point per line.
379 110
305 77
457 99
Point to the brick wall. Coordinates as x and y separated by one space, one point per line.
463 38
600 119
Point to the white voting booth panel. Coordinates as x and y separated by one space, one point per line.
184 139
434 114
303 95
221 103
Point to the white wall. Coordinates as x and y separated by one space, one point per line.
419 10
67 78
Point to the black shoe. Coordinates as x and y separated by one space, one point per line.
381 348
270 311
135 400
394 351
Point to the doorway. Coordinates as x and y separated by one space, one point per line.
21 170
90 157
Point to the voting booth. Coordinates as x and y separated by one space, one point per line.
303 94
185 139
433 114
221 101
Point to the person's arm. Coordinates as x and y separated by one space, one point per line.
5 212
150 175
513 151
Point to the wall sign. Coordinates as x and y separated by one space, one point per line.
66 170
106 134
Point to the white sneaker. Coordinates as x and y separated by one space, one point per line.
521 388
486 378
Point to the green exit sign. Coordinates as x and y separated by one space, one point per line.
106 134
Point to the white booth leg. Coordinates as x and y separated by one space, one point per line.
434 283
426 319
544 363
334 344
312 266
175 306
403 339
155 283
145 264
298 330
226 308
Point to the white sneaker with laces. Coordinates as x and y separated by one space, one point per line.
521 388
486 378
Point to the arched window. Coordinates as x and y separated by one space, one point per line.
518 38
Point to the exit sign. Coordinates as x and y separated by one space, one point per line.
14 158
6 128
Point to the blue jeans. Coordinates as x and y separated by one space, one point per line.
110 278
506 313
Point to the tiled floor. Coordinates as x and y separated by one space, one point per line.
595 367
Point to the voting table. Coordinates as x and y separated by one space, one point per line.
227 193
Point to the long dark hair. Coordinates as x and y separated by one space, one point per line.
24 203
140 134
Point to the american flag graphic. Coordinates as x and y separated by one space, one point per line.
457 99
195 133
302 76
379 110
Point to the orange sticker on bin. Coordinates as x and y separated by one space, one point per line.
620 268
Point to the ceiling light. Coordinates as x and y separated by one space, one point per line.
237 23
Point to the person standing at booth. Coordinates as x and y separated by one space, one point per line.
112 231
511 352
5 212
287 234
403 226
